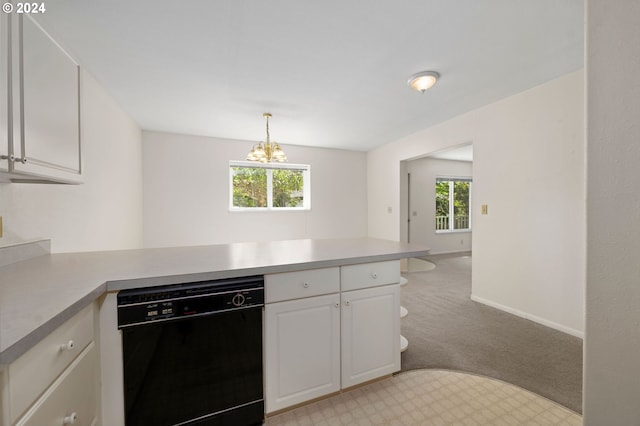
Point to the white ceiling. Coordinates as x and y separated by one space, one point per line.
464 153
332 73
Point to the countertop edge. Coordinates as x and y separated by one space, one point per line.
16 350
126 284
23 344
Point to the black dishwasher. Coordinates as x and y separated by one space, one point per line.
192 353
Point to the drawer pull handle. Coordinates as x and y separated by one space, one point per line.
348 303
337 305
70 419
68 346
305 285
374 275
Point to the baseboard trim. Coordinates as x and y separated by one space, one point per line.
530 317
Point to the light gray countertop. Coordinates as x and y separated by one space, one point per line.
39 294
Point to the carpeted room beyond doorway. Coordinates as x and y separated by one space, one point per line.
447 330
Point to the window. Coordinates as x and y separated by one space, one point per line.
269 186
453 197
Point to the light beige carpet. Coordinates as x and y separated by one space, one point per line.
432 397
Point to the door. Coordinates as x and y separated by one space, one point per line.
302 354
370 334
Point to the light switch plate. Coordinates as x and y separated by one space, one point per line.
485 209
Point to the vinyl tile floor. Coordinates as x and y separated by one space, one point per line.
432 397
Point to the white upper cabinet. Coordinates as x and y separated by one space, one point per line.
4 92
43 114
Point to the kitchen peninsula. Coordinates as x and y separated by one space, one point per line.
40 294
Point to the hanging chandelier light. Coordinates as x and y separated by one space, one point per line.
268 151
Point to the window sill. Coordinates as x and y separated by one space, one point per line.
265 209
454 231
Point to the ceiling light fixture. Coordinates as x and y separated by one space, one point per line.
423 80
268 151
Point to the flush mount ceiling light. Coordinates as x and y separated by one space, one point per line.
423 80
268 151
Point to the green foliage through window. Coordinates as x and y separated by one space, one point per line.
249 187
452 204
269 186
287 188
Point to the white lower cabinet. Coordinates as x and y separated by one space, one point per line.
72 399
302 350
318 345
370 334
56 382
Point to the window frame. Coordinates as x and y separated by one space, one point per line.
269 167
452 179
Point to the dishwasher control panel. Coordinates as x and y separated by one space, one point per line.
139 306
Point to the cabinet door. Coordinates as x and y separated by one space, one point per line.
302 350
46 104
4 91
370 334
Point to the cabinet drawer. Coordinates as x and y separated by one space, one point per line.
73 397
299 284
364 275
34 371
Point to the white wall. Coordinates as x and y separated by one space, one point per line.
103 213
422 198
529 251
612 344
186 194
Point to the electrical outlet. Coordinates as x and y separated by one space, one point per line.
485 209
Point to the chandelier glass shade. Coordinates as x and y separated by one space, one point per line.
267 151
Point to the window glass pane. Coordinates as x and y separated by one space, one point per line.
249 187
461 205
269 186
288 188
442 205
